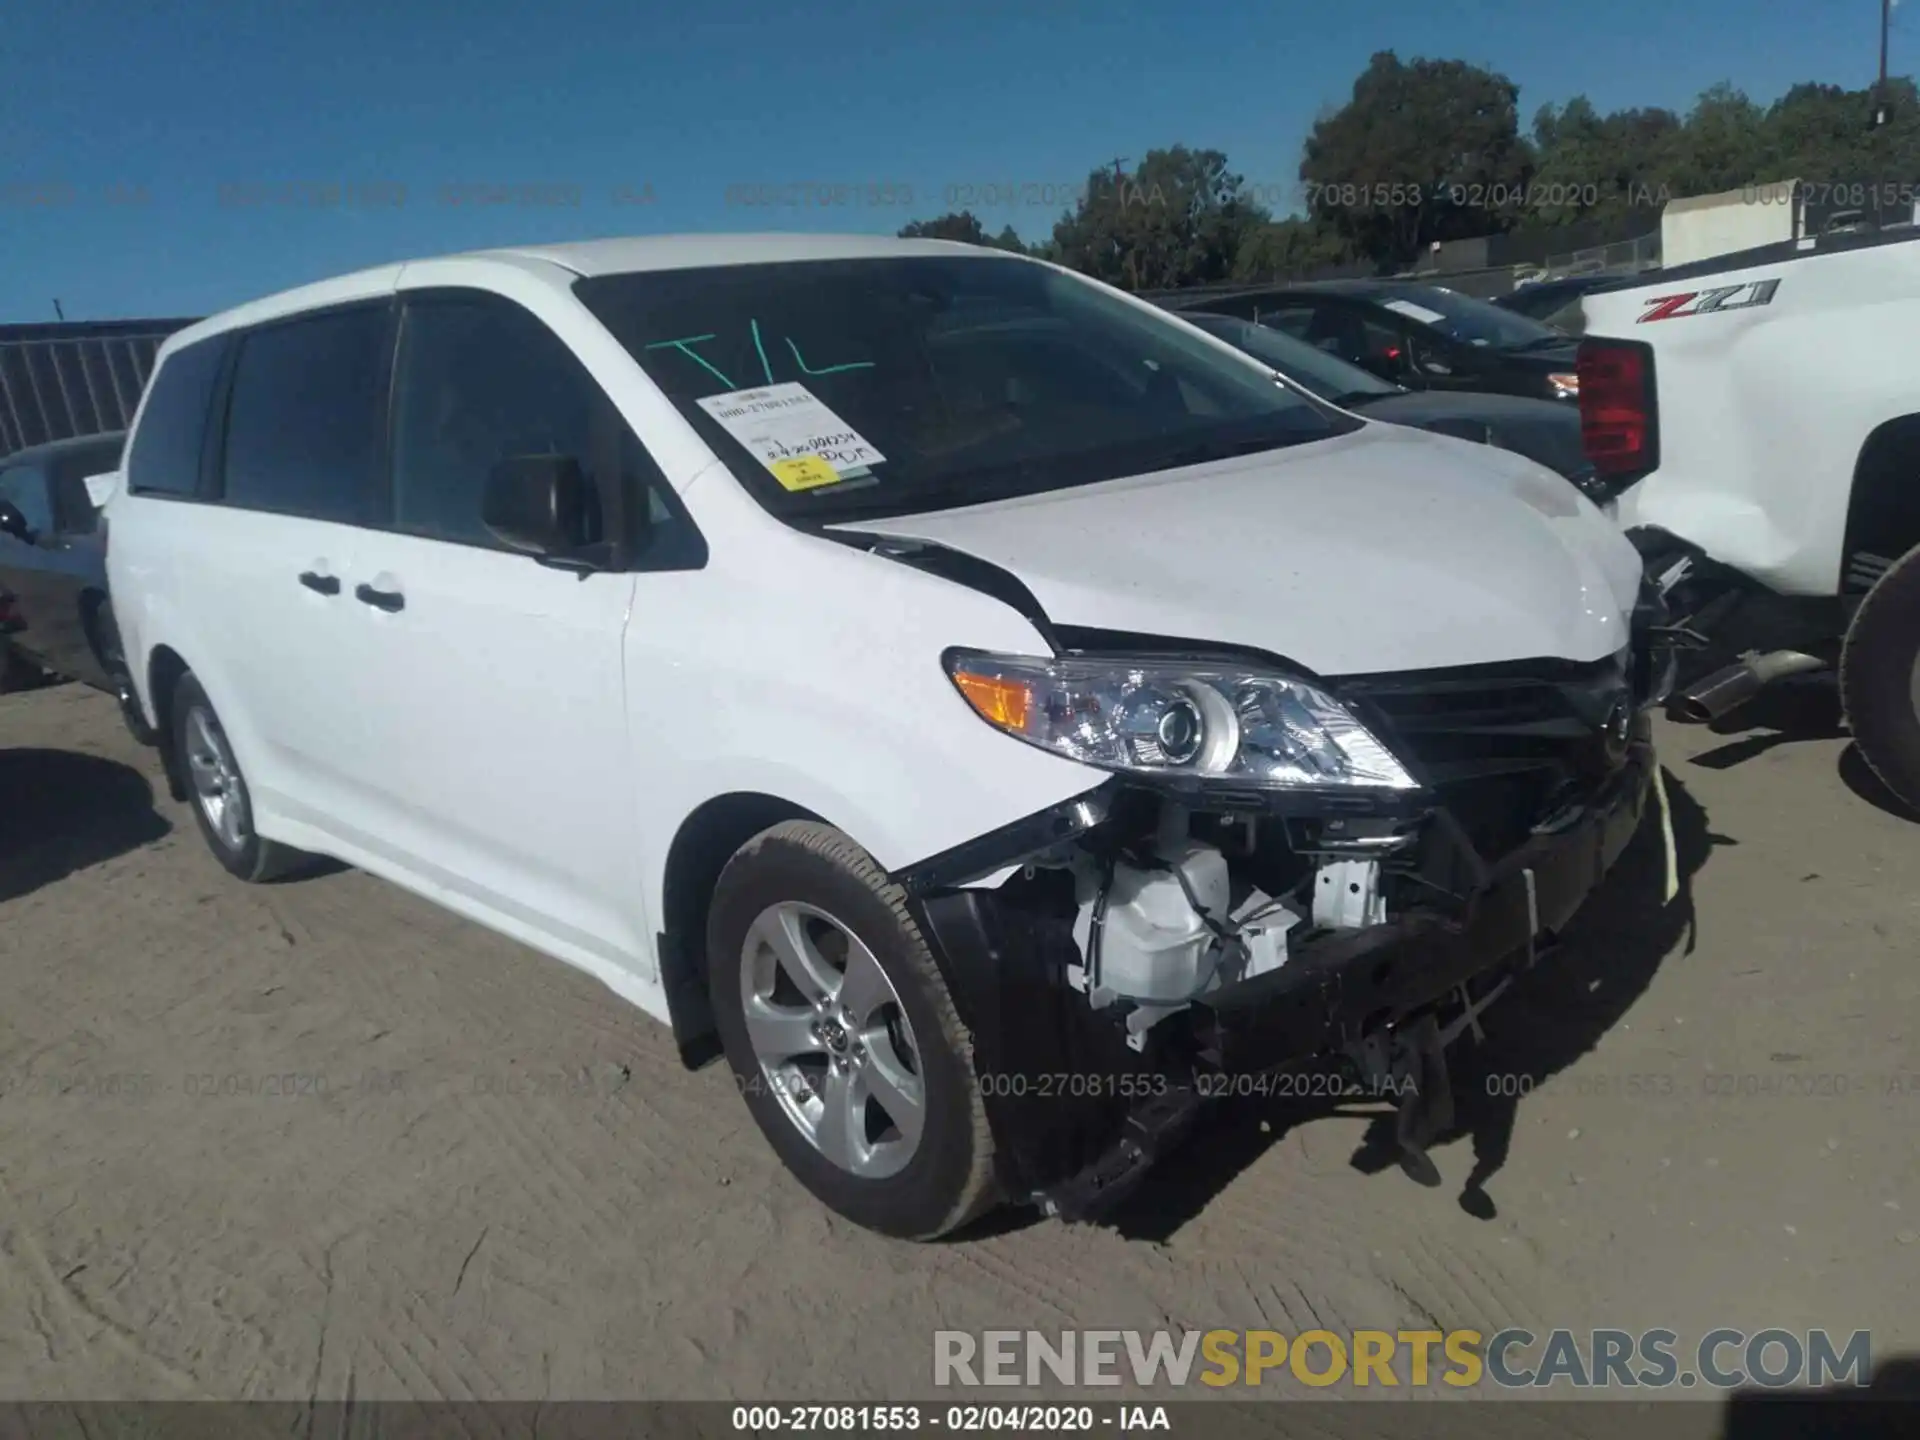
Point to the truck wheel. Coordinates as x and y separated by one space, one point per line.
221 803
842 1036
1880 678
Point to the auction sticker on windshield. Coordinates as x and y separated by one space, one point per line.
791 431
1416 312
804 473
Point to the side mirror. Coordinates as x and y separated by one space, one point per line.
13 522
542 505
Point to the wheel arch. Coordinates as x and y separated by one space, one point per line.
1883 512
701 847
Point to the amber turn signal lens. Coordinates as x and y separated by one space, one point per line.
1000 701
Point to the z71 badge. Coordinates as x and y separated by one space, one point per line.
1711 302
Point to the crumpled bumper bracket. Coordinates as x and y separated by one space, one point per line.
1336 988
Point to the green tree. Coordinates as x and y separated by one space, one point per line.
964 226
1007 239
1422 151
1603 168
1286 249
1179 219
1722 145
961 225
1824 136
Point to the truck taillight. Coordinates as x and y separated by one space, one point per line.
1618 422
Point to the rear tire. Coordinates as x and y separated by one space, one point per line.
808 937
1880 678
222 804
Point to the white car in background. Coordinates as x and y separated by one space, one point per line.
989 708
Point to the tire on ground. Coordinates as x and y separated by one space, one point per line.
257 860
950 1178
1880 678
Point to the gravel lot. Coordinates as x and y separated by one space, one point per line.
321 1139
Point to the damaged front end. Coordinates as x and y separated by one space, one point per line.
1116 957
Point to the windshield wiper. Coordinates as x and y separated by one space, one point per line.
1203 451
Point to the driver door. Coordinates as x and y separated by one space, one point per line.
495 698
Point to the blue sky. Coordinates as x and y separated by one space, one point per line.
173 158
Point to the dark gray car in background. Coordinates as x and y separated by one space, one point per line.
54 616
1542 430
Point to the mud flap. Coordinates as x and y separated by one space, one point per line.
1419 1071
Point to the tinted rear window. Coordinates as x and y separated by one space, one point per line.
165 455
305 430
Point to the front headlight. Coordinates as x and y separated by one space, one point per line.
1170 719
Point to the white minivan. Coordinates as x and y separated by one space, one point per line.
993 713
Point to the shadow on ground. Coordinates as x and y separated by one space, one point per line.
1889 1406
1550 1017
1788 712
61 811
1806 709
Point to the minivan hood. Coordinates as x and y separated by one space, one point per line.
1385 549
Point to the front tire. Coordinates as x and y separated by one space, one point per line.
1880 678
842 1036
218 792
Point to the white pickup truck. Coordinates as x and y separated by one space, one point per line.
1757 417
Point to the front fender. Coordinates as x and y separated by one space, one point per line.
836 702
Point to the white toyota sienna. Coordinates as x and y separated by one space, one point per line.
993 713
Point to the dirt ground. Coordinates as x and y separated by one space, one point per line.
323 1140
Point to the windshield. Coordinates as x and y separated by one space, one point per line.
846 389
1327 376
1473 322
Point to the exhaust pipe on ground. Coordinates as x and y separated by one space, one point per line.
1726 690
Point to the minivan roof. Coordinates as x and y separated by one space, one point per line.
584 258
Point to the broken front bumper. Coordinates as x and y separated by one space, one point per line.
1078 1115
1348 983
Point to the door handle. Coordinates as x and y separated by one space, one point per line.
387 600
321 584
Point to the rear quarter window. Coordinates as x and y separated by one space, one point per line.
164 455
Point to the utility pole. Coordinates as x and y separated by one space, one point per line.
58 311
1880 91
1119 174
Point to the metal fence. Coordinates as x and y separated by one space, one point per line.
59 381
1626 257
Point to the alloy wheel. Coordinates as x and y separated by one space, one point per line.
833 1040
217 788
